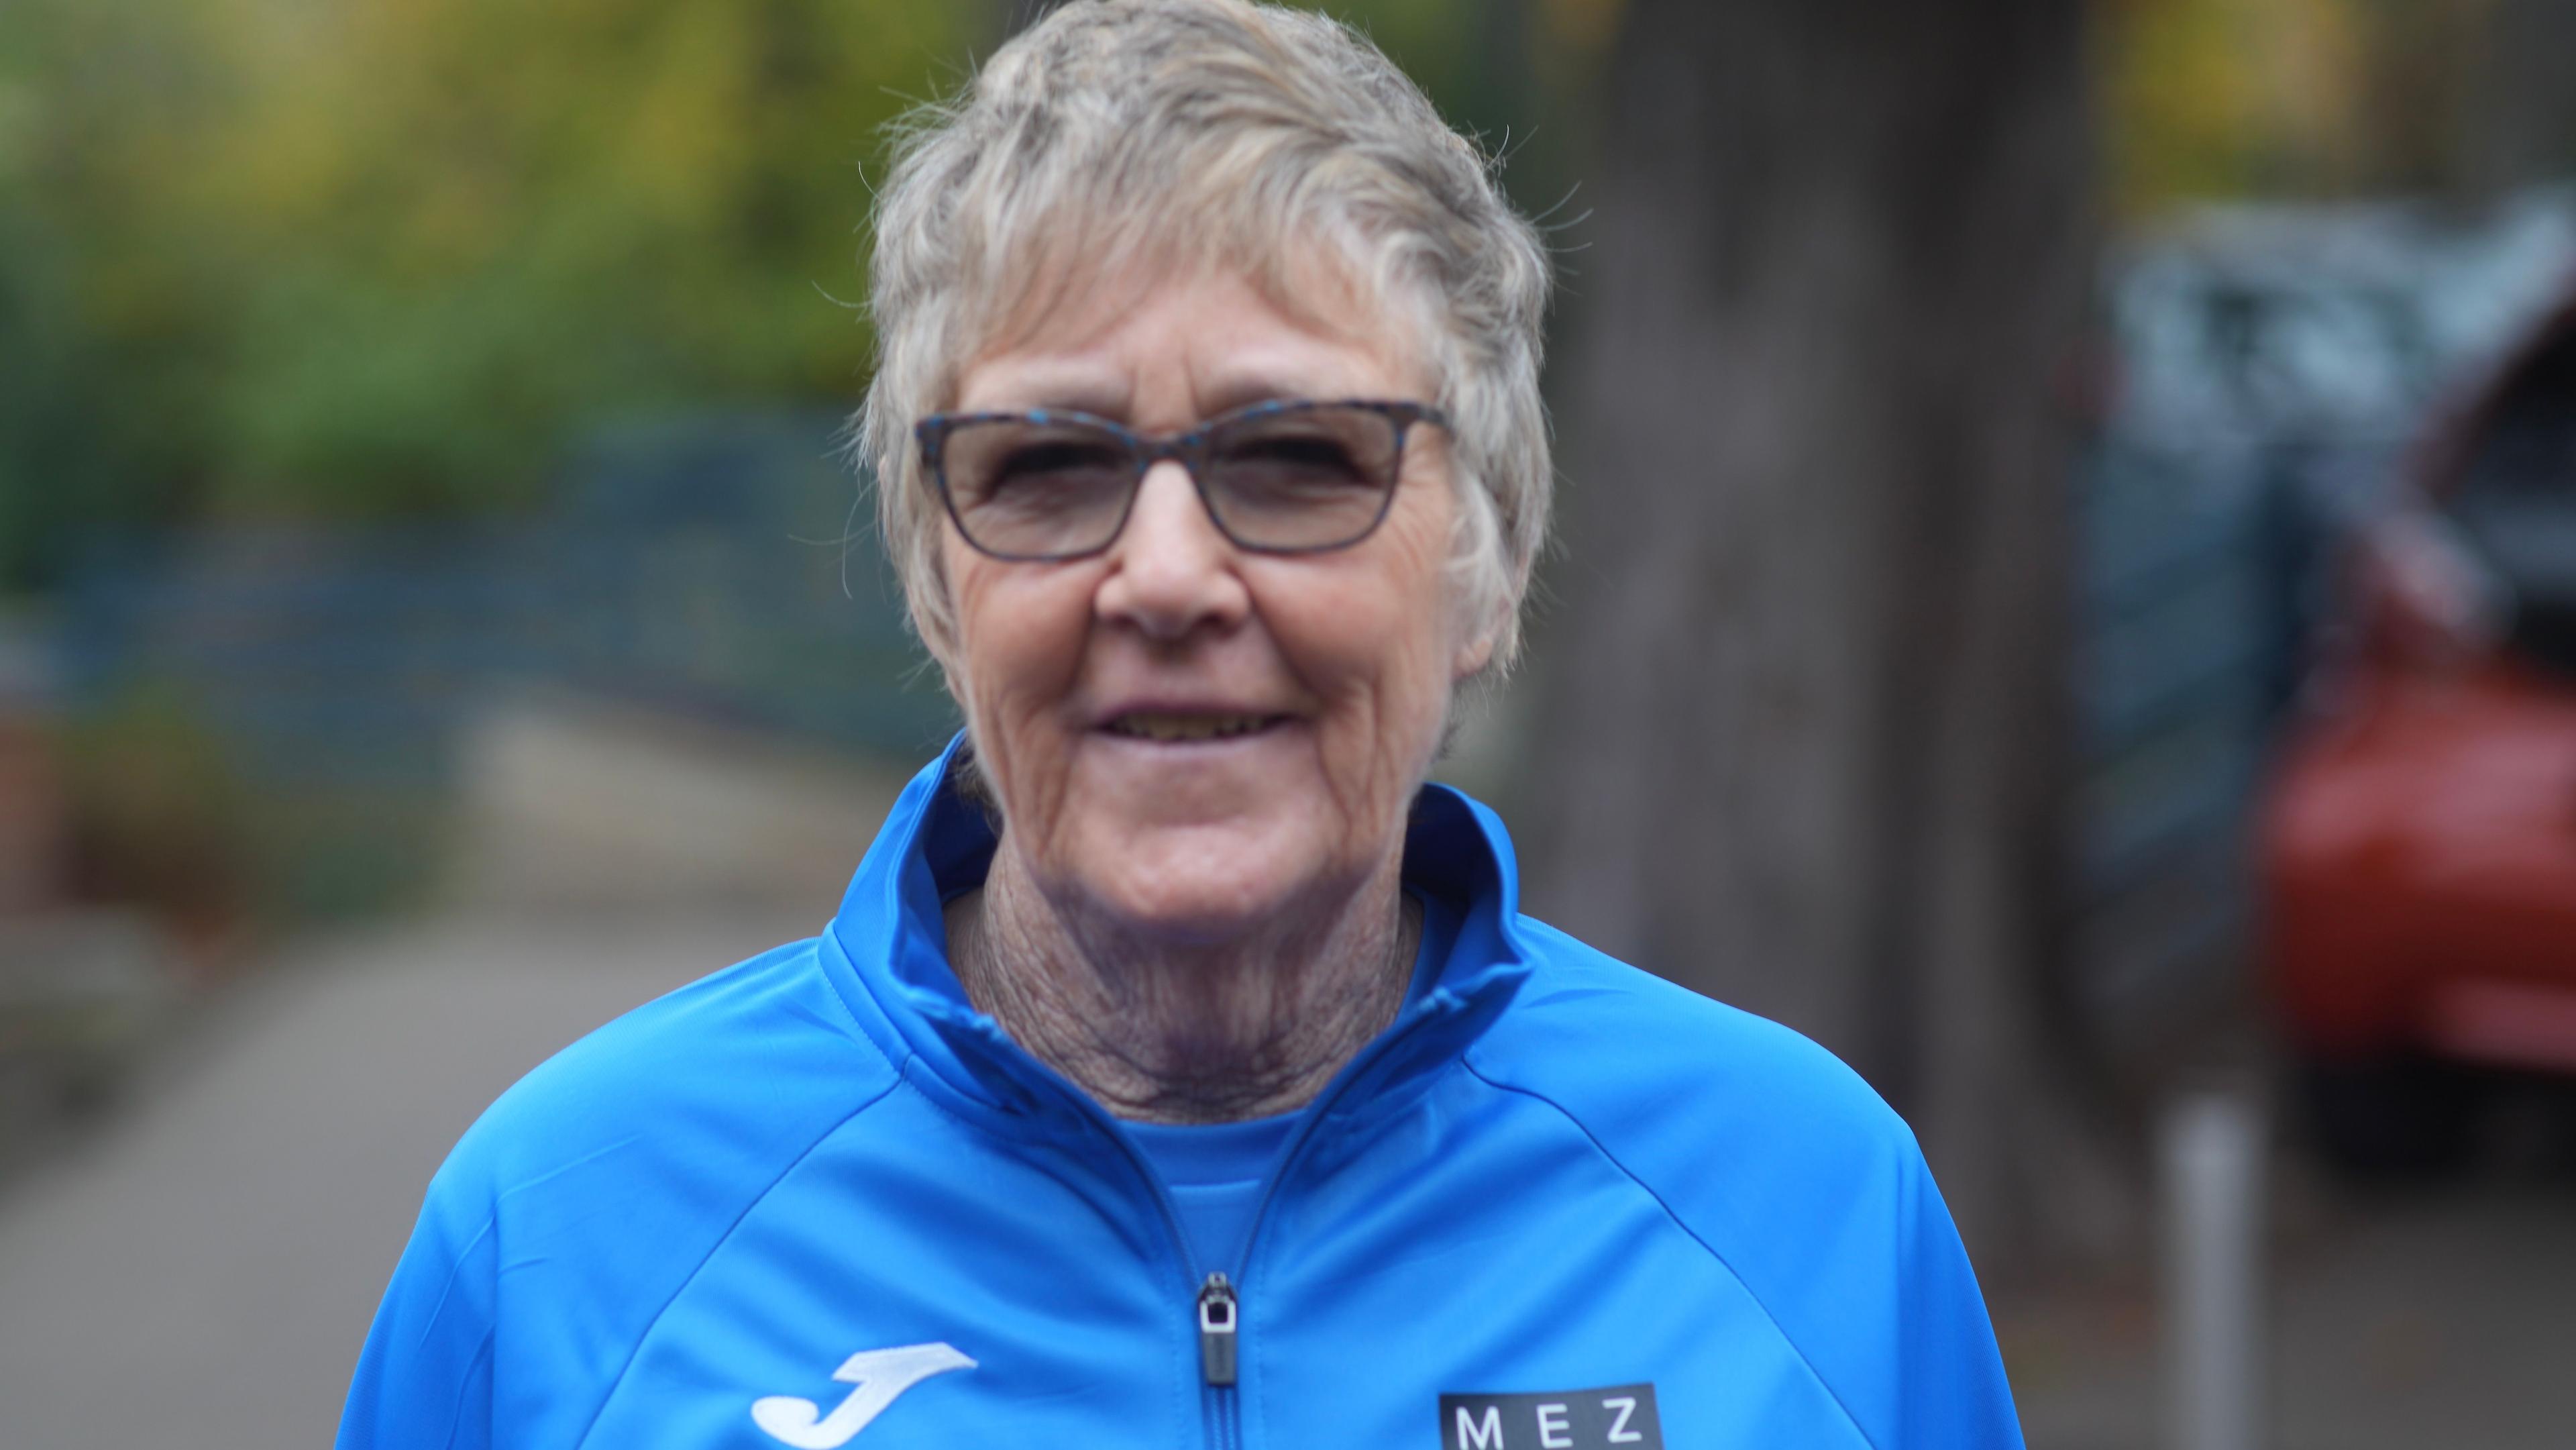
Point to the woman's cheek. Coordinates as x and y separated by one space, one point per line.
1018 654
1386 721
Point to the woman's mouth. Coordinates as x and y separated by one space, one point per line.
1179 725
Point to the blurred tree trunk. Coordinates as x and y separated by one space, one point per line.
1801 740
2522 96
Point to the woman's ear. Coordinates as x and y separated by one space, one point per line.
1474 653
1481 641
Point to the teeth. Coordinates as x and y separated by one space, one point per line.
1146 726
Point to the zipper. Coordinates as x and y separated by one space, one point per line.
1220 1317
1216 1332
1217 1302
1214 1301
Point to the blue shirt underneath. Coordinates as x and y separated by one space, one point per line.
1215 1172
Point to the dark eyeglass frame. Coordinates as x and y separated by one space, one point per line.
1189 448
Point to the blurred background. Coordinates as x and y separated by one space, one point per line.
2067 595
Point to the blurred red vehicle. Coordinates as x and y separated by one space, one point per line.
2417 838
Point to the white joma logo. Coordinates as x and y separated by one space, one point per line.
878 1376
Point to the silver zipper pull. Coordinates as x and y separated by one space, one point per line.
1216 1331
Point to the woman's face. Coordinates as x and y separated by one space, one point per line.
1108 696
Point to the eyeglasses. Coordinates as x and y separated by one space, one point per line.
1277 478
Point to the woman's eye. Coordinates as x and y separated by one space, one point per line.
1319 455
1047 458
1051 471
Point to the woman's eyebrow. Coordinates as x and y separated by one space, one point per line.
1103 403
1072 389
1224 394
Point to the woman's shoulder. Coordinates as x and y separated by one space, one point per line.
1633 1053
1775 1157
1757 1141
587 1194
738 1067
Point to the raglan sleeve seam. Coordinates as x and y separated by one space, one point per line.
1613 1159
399 1362
447 1285
645 1331
481 1362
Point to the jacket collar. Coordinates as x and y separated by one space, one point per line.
890 944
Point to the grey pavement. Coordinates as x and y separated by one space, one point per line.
200 1271
2441 1316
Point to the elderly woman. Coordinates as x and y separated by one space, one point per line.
1179 1069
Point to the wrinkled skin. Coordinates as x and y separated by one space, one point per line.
1202 929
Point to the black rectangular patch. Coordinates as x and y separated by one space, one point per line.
1620 1417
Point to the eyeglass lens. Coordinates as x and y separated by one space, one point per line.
1295 479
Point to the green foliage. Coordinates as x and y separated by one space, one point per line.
2292 98
375 258
267 256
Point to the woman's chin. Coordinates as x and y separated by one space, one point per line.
1198 885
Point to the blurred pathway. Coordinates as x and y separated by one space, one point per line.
2435 1318
201 1272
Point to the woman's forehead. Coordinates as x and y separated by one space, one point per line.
1232 336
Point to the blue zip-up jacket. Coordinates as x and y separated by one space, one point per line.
817 1199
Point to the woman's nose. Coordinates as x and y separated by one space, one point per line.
1174 570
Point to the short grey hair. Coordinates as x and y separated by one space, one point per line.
1121 132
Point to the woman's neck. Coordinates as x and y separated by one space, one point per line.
1174 1033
